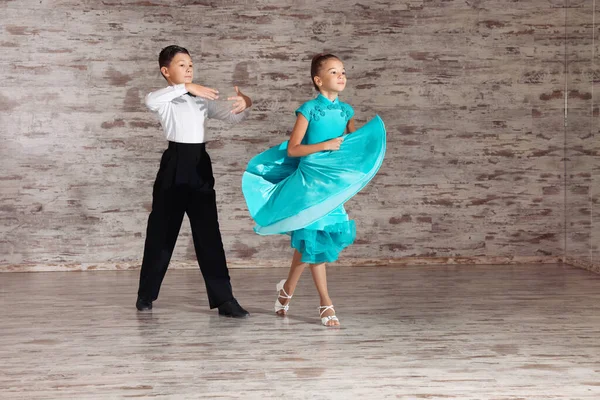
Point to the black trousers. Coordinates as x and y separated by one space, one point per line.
185 184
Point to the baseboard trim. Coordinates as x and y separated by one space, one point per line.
284 263
582 264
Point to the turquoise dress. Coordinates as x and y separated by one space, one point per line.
305 196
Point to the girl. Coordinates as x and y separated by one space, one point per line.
300 186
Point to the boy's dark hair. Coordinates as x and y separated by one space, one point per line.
316 64
166 55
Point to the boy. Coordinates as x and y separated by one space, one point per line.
185 182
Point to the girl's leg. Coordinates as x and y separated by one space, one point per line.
319 274
296 269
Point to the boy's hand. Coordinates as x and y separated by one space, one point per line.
241 101
201 91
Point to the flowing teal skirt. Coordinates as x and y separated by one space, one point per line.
304 196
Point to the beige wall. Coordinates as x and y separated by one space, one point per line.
472 94
582 139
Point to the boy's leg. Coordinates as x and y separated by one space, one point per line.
202 212
164 222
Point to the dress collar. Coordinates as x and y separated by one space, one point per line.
326 101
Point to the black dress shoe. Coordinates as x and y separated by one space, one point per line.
143 305
232 309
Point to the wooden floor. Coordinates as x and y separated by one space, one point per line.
428 332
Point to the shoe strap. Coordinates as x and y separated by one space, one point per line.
325 308
285 295
279 307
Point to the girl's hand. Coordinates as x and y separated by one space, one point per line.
201 91
333 144
241 101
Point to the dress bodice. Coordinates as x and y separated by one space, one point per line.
326 119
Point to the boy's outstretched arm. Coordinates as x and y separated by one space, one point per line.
156 100
230 112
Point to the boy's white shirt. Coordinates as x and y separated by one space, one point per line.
183 117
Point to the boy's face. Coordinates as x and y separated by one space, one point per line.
180 70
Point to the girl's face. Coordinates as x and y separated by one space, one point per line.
332 76
180 70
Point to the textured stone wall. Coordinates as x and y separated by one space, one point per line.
471 91
582 139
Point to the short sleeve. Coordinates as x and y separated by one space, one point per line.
349 111
304 109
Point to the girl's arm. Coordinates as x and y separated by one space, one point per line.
350 127
296 149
